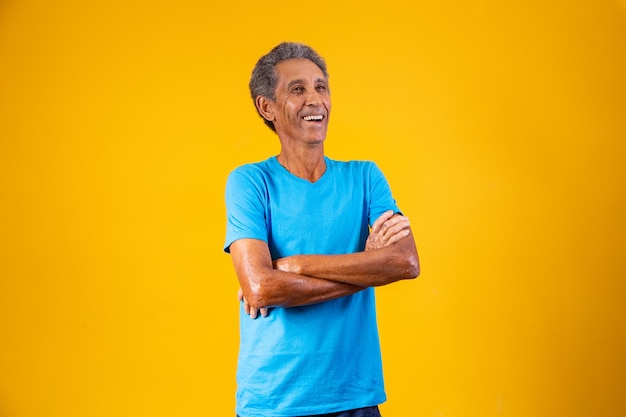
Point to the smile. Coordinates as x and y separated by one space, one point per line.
314 118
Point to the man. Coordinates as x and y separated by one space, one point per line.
299 236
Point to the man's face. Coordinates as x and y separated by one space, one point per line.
302 104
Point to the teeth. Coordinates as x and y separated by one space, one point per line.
317 117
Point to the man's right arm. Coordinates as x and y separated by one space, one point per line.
263 286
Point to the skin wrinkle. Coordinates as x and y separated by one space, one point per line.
390 254
265 78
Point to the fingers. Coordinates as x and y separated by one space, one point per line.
398 236
254 312
395 229
246 306
388 229
378 224
249 310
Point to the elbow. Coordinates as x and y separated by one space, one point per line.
255 296
257 293
412 270
405 265
409 259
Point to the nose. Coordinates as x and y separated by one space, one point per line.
313 98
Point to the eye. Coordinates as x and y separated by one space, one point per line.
297 89
322 87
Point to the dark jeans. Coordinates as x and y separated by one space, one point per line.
357 412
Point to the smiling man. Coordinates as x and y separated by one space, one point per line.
309 238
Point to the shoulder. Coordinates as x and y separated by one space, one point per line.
355 167
249 181
251 172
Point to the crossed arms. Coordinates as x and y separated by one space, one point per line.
390 255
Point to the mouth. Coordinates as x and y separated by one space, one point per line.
314 118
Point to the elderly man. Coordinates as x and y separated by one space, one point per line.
309 238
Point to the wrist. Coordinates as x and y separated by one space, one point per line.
289 264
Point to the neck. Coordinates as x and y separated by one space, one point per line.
309 166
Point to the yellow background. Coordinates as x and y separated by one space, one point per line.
501 127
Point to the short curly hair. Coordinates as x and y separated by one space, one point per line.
264 78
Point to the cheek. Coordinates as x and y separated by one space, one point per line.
290 109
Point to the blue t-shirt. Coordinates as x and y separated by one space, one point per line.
320 358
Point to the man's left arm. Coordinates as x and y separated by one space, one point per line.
390 255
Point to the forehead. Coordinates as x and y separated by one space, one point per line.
298 69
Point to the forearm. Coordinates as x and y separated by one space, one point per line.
265 286
366 269
274 288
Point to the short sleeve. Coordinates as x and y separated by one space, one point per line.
246 201
380 197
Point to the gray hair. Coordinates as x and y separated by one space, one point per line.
264 79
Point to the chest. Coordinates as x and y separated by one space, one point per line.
329 217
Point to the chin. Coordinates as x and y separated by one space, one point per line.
317 139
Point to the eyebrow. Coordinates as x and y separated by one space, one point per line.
300 81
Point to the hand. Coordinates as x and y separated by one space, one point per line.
387 230
251 311
288 264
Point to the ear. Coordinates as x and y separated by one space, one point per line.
265 108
